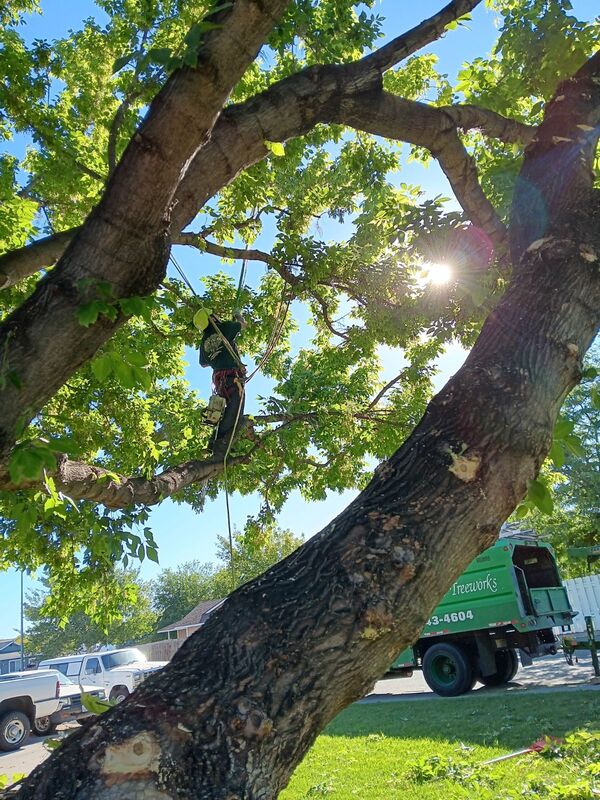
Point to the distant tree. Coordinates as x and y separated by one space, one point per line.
260 545
575 475
48 635
176 591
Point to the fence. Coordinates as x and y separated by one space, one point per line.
584 596
160 651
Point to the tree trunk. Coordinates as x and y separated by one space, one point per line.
245 697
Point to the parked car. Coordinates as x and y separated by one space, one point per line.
118 672
71 706
23 699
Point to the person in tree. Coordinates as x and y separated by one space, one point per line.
218 350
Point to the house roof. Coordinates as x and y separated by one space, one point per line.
197 616
5 643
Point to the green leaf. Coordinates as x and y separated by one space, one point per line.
562 428
540 496
88 313
121 62
142 377
28 462
136 306
190 58
557 454
521 511
152 554
589 373
124 374
595 398
95 705
133 357
194 36
277 148
574 445
102 367
159 55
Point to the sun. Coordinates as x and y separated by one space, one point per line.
437 273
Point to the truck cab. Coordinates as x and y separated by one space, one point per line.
508 600
118 672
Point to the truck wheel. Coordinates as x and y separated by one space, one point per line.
14 730
447 670
118 694
43 727
507 664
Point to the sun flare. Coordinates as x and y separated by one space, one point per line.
437 273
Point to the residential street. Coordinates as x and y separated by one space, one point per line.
546 675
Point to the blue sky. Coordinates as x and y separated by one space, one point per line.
182 535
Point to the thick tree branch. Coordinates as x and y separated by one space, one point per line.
125 241
19 264
289 108
493 125
421 35
408 121
569 136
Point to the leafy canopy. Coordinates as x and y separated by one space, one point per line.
347 237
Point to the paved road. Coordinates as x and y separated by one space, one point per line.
546 674
27 757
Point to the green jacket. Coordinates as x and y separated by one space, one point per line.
213 351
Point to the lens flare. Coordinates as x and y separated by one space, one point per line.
437 273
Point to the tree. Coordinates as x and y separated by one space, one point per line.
575 473
244 698
260 545
48 635
176 591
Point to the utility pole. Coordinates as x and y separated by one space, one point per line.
22 632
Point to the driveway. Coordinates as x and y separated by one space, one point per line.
545 674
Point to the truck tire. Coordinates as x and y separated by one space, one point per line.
447 670
507 664
42 726
118 694
14 730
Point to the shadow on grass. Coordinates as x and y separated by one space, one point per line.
510 720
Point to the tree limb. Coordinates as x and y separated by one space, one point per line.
383 390
289 108
124 242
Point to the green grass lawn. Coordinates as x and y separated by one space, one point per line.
433 749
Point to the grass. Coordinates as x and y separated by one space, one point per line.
433 749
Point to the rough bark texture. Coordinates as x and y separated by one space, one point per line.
244 698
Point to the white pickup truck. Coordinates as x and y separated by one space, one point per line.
118 672
72 708
22 700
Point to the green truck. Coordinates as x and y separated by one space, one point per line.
509 598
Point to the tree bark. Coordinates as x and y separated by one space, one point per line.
123 247
242 701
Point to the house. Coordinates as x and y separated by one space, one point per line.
10 656
192 621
